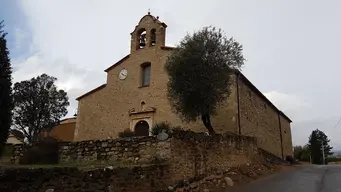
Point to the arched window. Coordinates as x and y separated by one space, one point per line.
145 77
141 38
152 37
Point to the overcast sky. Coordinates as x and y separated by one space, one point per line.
292 47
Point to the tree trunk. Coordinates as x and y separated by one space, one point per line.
207 122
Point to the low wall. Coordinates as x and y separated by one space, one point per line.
137 150
198 155
183 157
182 146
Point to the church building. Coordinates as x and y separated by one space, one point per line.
135 97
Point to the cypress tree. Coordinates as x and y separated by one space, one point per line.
6 101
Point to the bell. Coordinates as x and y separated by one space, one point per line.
142 43
153 40
143 40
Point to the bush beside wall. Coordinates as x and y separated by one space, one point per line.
46 151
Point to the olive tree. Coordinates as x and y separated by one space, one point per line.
199 71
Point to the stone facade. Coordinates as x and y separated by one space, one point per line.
261 119
286 135
122 103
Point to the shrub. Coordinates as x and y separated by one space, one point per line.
46 151
177 128
290 159
333 159
126 133
158 127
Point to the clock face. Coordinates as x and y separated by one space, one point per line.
123 74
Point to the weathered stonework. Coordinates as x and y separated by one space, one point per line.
185 146
133 150
286 134
183 158
197 155
17 152
100 119
129 150
121 104
261 119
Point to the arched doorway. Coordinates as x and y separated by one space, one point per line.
142 128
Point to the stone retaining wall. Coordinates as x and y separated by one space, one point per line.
183 157
142 150
198 155
131 150
146 150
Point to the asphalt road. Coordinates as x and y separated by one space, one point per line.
315 178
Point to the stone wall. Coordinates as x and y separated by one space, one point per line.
17 152
182 146
183 157
197 155
197 150
259 119
137 150
130 150
286 134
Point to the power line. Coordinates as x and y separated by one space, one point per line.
337 123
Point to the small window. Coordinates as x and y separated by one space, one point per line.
145 74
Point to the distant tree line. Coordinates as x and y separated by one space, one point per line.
317 148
